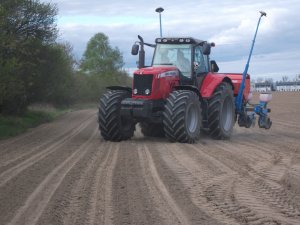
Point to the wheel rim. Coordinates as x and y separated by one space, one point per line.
227 114
192 118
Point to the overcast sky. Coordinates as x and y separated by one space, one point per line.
228 23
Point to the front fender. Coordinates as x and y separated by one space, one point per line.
120 88
188 88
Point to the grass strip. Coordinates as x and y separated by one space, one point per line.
13 125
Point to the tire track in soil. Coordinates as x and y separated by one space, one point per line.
274 204
72 196
15 170
179 183
90 201
201 171
247 161
284 145
159 188
30 212
102 209
165 211
278 161
19 153
132 199
287 124
220 193
275 198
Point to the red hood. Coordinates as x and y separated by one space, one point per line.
155 70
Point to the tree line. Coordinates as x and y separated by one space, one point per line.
35 67
284 78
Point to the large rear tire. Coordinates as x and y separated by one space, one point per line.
221 112
112 126
182 117
152 129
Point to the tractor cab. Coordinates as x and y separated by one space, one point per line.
179 55
190 56
184 53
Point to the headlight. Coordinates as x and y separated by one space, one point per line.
135 91
147 91
169 74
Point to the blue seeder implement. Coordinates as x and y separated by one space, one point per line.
246 114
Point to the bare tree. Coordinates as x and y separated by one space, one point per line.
259 80
285 78
269 80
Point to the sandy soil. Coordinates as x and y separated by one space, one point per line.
64 173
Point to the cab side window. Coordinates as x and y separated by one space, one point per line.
200 61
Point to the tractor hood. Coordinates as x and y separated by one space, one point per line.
156 70
155 82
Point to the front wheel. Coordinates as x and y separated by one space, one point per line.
112 126
221 112
182 117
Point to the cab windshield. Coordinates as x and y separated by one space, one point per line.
178 55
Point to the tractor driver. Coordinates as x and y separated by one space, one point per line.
164 56
183 63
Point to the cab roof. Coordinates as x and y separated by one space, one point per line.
178 40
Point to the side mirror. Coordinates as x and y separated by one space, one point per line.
214 67
206 48
135 49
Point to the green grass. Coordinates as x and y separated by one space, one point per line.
13 125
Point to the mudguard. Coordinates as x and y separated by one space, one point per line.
120 88
189 88
211 82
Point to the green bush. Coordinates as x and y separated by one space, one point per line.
14 125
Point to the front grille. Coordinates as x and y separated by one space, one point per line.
141 83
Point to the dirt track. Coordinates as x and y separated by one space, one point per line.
64 173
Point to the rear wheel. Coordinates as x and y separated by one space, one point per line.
221 112
182 117
112 126
152 129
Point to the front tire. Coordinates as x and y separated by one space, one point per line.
182 117
221 112
112 126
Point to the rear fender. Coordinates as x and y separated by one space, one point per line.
211 82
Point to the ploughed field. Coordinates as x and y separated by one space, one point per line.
65 173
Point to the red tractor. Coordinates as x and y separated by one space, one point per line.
180 95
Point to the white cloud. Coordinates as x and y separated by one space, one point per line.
285 63
231 24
